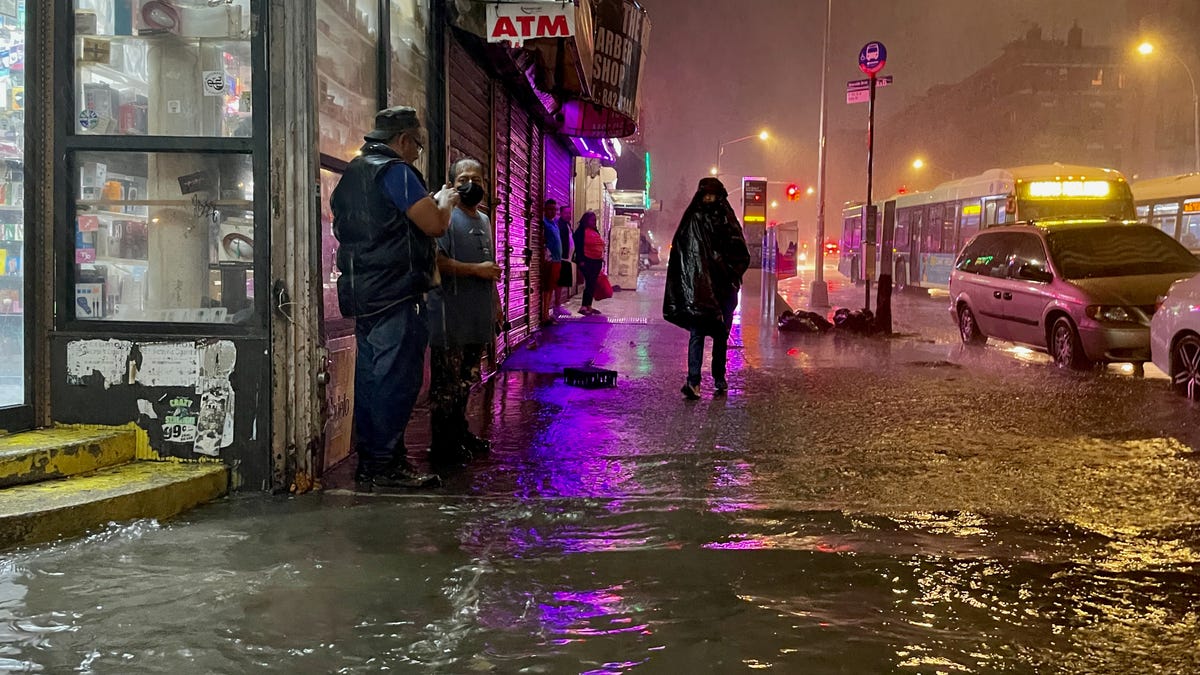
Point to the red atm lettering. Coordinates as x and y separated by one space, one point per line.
552 26
504 28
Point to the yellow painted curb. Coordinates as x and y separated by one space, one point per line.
35 456
67 507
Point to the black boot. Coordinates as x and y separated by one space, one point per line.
477 446
449 454
396 475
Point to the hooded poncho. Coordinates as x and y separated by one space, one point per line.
708 259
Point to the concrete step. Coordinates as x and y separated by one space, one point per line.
66 507
36 456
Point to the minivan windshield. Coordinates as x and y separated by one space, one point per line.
1118 251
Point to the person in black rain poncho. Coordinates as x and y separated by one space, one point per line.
704 275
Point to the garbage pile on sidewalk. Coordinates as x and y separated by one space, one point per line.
860 322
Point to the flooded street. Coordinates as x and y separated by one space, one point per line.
854 505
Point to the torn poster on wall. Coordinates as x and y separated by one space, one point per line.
167 364
215 423
108 358
179 424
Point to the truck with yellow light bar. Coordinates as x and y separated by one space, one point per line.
1172 204
924 231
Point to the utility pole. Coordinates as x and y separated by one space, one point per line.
819 294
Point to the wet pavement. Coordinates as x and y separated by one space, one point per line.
854 505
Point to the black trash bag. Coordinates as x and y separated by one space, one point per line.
861 321
803 322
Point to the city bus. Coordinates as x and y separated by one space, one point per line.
1171 204
931 227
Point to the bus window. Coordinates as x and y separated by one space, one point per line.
948 219
1143 213
901 236
1189 234
1165 217
931 238
968 224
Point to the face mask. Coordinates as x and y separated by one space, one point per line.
470 193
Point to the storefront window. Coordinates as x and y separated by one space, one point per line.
147 67
12 209
164 237
335 324
410 57
347 73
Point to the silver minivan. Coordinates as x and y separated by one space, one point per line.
1082 290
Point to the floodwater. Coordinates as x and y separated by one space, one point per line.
853 505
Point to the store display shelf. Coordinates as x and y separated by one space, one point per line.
106 72
118 262
329 79
344 21
168 37
11 314
114 214
343 49
97 204
11 207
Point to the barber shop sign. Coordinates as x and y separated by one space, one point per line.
518 22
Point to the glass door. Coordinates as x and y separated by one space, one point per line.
15 403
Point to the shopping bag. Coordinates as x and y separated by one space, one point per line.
604 289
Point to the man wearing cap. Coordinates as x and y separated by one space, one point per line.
386 224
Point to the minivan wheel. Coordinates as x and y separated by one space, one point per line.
1066 347
1185 366
968 329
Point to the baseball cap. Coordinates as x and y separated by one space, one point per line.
393 121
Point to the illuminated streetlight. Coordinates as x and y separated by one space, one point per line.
810 191
920 164
1146 49
774 204
762 136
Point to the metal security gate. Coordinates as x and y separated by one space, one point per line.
518 146
470 135
558 182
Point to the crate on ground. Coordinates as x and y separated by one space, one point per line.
590 377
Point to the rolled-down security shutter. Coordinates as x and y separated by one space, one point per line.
518 191
558 175
470 135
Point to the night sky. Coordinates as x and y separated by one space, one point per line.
722 69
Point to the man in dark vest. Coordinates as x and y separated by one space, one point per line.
386 223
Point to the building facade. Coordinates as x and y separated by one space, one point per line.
1042 100
168 246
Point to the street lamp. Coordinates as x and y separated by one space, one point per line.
1147 49
762 136
919 164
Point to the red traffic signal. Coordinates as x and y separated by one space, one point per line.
793 192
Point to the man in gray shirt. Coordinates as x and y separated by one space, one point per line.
464 313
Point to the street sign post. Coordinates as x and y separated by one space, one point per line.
871 59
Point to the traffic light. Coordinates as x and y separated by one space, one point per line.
793 192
